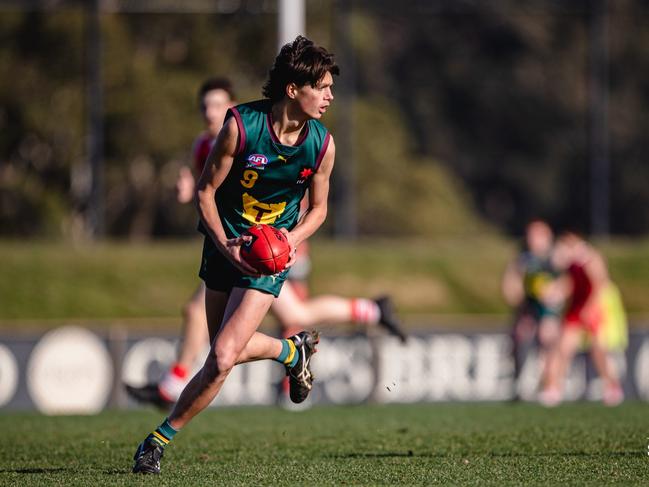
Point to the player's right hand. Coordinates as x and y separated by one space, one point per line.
291 243
232 251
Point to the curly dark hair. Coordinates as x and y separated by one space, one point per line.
299 62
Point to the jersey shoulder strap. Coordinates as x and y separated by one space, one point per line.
320 137
250 118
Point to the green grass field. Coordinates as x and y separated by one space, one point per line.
468 444
135 282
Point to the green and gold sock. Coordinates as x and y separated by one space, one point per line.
290 354
163 434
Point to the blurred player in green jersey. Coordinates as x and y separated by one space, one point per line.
525 285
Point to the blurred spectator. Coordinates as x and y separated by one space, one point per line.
592 303
525 287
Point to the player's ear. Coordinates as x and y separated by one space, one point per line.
291 90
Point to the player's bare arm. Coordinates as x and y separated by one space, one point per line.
218 165
318 195
595 269
512 284
185 185
557 291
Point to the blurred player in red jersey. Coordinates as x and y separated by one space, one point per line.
585 278
215 97
293 308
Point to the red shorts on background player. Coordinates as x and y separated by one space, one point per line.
583 310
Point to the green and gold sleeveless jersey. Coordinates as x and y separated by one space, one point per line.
539 272
267 180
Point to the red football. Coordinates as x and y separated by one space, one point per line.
268 251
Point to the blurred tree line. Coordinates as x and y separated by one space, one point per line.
466 116
499 92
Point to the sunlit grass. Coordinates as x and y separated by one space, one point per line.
117 280
451 444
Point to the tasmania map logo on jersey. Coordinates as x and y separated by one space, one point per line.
258 161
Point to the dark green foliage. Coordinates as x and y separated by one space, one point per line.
465 111
499 92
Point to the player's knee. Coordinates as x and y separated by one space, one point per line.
217 365
225 361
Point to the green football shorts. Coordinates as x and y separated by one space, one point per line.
221 275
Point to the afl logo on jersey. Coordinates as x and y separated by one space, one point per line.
258 161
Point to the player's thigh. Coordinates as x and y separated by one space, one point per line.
198 297
288 308
194 310
215 304
549 330
569 340
244 312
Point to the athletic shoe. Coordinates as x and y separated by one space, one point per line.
300 376
149 394
550 397
171 386
147 458
387 319
613 395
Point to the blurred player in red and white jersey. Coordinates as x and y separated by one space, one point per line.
215 97
293 308
586 277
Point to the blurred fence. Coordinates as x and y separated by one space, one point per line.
73 370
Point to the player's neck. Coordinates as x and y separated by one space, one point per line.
287 124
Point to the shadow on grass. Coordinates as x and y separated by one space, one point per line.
623 453
35 470
410 453
118 471
387 454
112 471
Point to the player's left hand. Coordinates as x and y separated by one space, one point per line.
185 185
291 242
